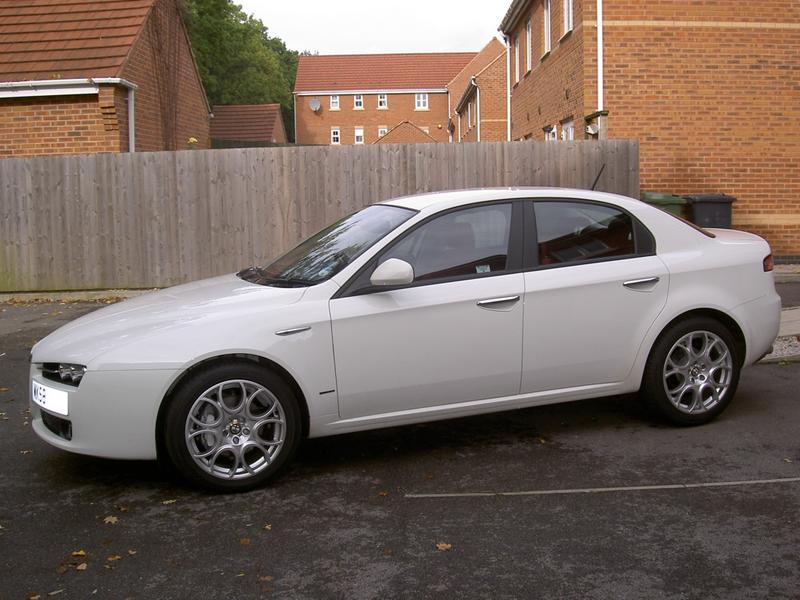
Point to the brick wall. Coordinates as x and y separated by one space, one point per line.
170 101
492 85
713 97
58 125
553 90
315 128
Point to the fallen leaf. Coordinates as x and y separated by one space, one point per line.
383 494
55 592
131 552
25 451
265 578
240 575
111 520
114 557
82 567
787 460
268 526
32 597
3 389
444 546
541 440
79 553
388 551
244 541
121 507
168 501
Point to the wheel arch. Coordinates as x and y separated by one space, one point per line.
241 358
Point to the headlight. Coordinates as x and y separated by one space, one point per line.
65 372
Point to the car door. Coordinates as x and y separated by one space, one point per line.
596 288
454 335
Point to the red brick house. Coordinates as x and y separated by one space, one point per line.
83 76
357 98
478 98
243 125
709 89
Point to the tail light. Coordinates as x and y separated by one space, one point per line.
769 263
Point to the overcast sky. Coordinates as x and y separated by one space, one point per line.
371 26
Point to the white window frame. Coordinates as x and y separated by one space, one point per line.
356 131
383 101
516 59
421 101
568 131
552 134
568 17
333 102
336 136
548 40
382 131
469 113
529 47
426 130
358 101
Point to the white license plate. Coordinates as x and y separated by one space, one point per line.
50 398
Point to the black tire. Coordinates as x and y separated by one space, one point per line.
249 377
675 407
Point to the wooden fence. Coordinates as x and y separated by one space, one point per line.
156 219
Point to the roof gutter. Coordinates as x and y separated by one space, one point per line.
73 87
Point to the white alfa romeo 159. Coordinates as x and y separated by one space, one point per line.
421 308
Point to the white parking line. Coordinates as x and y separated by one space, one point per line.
605 490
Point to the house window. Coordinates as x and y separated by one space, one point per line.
551 133
421 102
547 38
383 101
469 114
568 16
382 131
359 135
529 44
567 131
426 130
516 59
358 102
334 103
335 136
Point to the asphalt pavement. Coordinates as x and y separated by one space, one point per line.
591 499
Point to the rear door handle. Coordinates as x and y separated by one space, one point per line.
636 284
493 302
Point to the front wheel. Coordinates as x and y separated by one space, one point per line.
232 427
692 372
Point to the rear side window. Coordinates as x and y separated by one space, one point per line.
570 232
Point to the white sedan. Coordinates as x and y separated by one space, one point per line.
420 308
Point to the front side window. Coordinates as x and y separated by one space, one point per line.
335 136
358 101
359 135
382 131
326 253
516 59
568 23
568 131
421 102
529 44
551 134
463 243
334 102
570 232
383 101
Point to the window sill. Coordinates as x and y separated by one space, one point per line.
565 36
544 56
334 109
422 109
527 73
383 108
358 108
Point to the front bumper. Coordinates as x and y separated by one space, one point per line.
111 414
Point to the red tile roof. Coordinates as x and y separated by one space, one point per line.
64 39
405 132
378 71
248 123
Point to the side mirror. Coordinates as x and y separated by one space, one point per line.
392 272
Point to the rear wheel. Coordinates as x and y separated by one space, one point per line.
693 371
232 427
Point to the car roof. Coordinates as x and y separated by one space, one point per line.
436 201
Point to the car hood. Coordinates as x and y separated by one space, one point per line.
196 303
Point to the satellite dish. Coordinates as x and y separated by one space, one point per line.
314 105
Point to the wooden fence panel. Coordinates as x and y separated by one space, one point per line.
156 219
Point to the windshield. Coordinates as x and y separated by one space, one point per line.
326 253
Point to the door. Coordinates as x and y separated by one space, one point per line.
597 290
453 335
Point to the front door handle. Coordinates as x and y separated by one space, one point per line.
638 284
493 302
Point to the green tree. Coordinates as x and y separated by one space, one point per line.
238 61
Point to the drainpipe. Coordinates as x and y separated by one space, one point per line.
508 85
294 116
449 117
599 55
131 120
477 106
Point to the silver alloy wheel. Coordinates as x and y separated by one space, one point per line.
235 429
698 372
